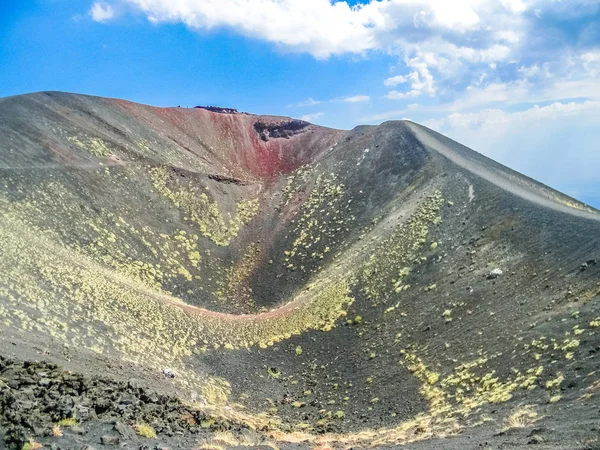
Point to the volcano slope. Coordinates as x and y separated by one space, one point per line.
222 279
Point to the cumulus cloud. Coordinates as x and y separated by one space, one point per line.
551 143
356 99
308 102
420 79
397 95
387 115
324 28
350 99
476 96
311 117
101 12
314 26
441 43
394 81
495 117
591 61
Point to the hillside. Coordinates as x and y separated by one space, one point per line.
230 279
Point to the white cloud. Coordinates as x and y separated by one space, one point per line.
591 62
397 95
475 96
356 99
509 36
517 6
314 26
325 27
562 83
529 71
387 115
308 102
101 12
494 117
394 81
350 99
420 79
311 117
441 43
555 143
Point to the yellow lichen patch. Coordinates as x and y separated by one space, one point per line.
145 430
137 252
294 183
226 438
95 146
472 390
317 312
320 219
216 391
569 344
210 446
432 393
194 202
421 427
47 282
31 444
234 288
380 276
468 386
554 384
70 422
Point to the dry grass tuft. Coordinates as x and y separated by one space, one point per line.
226 438
207 446
31 445
523 417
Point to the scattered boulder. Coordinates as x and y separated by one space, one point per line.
36 407
587 264
494 274
110 440
279 129
168 373
125 431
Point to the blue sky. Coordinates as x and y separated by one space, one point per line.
518 80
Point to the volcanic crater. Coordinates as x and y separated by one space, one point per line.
204 278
